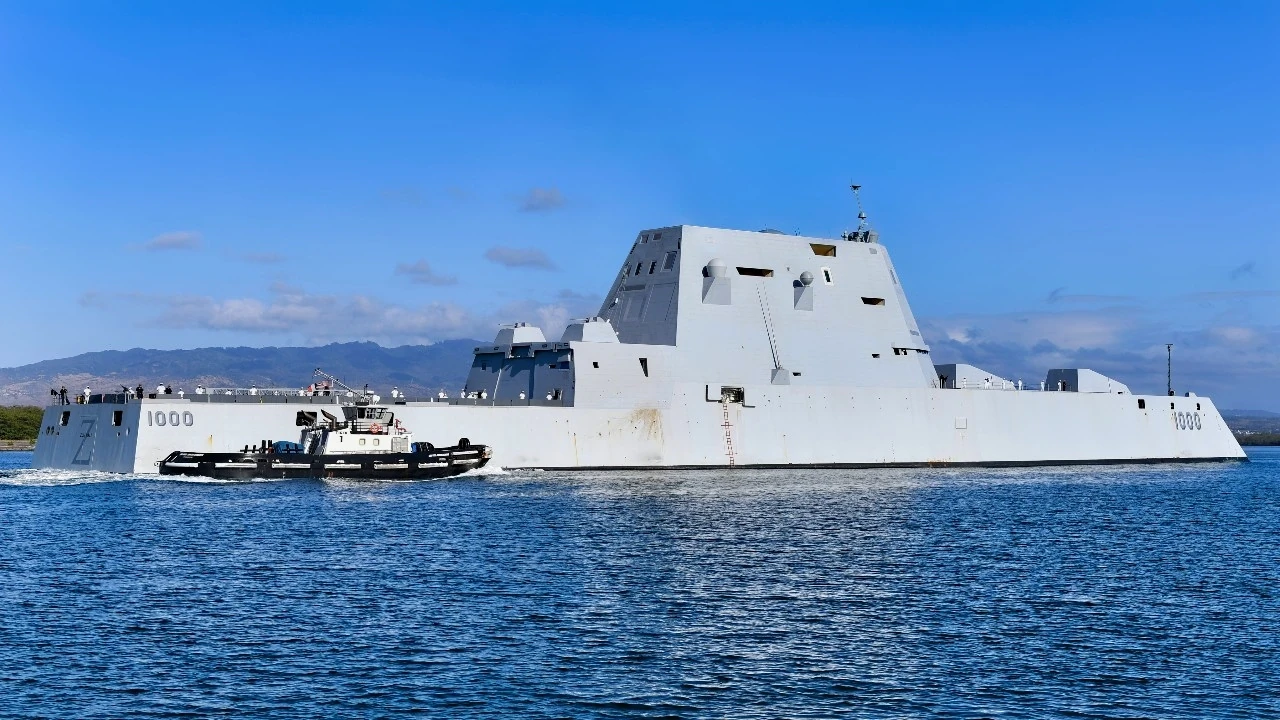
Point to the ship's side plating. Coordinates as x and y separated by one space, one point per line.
712 347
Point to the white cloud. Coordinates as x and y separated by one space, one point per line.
519 257
420 272
291 313
542 200
263 258
1233 362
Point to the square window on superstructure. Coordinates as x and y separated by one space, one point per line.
657 237
669 262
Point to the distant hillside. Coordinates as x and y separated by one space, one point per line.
416 369
1252 421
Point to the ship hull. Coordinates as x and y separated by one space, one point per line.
773 427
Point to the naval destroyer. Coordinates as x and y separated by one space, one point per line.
712 348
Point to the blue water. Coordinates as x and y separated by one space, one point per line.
1086 592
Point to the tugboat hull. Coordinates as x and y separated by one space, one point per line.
438 463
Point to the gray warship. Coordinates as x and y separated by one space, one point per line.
712 348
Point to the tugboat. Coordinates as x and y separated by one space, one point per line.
367 443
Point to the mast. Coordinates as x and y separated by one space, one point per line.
1168 368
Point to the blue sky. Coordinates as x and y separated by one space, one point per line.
1059 183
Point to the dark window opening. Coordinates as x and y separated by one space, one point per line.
644 366
595 363
653 266
1142 404
1197 406
875 355
557 394
826 276
117 417
639 267
755 272
872 301
1171 406
732 395
66 418
823 250
669 261
795 374
657 237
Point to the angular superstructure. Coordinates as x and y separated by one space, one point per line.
712 348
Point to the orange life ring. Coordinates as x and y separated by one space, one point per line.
376 429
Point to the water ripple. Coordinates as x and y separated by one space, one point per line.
1110 592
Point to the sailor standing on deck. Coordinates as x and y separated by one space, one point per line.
86 393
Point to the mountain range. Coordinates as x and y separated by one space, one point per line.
418 370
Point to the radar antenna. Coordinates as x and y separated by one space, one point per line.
862 215
864 233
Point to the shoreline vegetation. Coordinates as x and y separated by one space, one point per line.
1257 439
19 426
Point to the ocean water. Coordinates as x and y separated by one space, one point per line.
1098 592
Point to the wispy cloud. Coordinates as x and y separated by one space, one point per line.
1242 270
542 200
420 272
180 240
263 258
292 312
410 195
1233 362
1060 295
519 257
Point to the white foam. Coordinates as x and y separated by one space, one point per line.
31 477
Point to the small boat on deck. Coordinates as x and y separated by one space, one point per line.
367 443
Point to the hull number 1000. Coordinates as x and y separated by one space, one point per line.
161 418
1187 420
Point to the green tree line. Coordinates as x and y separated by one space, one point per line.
20 422
1258 438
